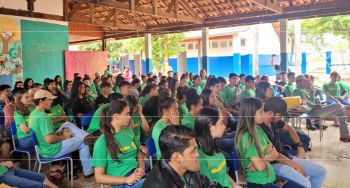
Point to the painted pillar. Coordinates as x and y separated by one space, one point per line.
284 44
138 64
247 66
182 62
236 47
199 56
148 49
328 62
104 44
303 63
205 49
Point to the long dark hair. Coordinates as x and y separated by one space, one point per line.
211 82
58 83
132 103
147 89
19 106
247 109
106 115
26 82
165 101
205 118
181 92
205 96
136 81
75 90
260 90
172 86
192 98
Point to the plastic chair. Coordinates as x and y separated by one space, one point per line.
85 120
236 168
151 147
13 131
43 160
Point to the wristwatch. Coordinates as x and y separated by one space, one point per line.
299 144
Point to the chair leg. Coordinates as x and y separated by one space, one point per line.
35 165
39 167
28 161
71 172
150 162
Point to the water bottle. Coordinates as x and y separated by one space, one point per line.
304 101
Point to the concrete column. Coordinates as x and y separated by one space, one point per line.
328 62
284 44
148 49
236 48
205 49
182 62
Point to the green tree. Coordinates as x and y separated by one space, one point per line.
315 29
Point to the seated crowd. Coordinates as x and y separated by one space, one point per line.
198 123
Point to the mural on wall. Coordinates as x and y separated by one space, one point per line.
11 50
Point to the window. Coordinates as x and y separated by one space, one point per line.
196 46
215 44
242 42
223 44
183 45
190 46
230 42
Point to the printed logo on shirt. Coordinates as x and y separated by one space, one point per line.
219 168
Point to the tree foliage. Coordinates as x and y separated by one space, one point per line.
315 29
163 46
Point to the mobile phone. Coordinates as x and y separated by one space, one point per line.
280 181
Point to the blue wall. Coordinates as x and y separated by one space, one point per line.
192 65
173 64
132 66
221 66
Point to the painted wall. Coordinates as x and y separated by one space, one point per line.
43 49
54 7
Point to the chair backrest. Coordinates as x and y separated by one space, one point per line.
234 161
151 146
32 134
85 119
13 129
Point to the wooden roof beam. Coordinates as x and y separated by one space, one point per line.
272 5
142 10
187 7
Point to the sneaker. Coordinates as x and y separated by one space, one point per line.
90 175
310 127
318 126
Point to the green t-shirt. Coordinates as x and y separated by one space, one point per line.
116 89
183 111
143 99
3 170
214 167
198 89
20 119
260 177
127 159
188 121
107 72
189 83
345 88
221 98
288 90
246 93
143 85
229 93
304 93
204 81
136 127
241 86
157 129
56 112
41 124
93 89
332 88
95 120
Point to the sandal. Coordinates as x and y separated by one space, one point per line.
345 139
75 176
336 124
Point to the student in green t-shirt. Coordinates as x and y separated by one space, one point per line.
57 116
209 100
17 177
241 83
67 139
208 127
125 88
263 91
214 85
254 149
344 86
230 91
149 91
203 75
168 109
183 80
194 103
108 71
144 81
181 100
116 159
333 91
249 90
24 106
94 127
196 84
289 87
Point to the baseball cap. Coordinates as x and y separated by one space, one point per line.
276 105
43 94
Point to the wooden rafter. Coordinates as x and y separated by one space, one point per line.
127 16
187 7
76 8
233 6
125 6
214 6
201 8
171 6
272 5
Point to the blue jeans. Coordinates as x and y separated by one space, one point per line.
315 171
17 177
76 143
136 185
26 143
342 101
320 94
